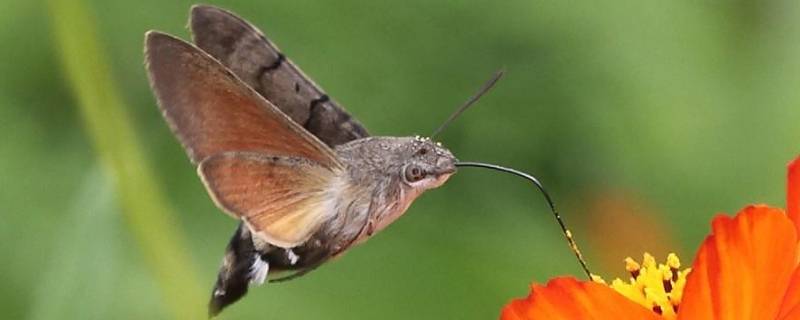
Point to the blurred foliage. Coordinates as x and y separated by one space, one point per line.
690 108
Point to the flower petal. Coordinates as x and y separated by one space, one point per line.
791 300
794 314
743 268
567 298
793 193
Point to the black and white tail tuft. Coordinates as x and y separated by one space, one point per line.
241 266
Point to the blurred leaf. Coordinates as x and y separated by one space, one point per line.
147 215
84 260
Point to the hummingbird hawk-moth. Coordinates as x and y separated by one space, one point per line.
273 150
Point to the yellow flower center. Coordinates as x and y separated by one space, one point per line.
658 287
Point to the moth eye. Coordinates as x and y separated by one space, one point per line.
422 151
414 173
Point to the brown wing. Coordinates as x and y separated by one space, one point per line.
212 111
243 48
283 200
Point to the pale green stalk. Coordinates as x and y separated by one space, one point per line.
147 215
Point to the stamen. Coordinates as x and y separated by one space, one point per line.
674 264
658 287
657 310
632 267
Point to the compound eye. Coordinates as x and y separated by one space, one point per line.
423 151
414 173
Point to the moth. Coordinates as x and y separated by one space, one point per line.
274 151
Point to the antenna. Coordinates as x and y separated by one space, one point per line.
567 234
485 88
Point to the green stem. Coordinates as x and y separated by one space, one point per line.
147 215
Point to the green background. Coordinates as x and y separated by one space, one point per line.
643 118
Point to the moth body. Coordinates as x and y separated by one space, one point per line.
381 178
391 172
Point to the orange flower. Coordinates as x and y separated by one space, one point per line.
748 268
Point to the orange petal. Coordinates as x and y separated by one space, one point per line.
743 268
793 315
791 300
567 298
793 193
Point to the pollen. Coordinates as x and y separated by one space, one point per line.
658 287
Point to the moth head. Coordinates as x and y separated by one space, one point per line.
427 164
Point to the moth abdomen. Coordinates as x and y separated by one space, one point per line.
250 261
235 273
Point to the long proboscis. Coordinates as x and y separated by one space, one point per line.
567 234
485 88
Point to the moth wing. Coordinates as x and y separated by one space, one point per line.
283 200
212 111
253 58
